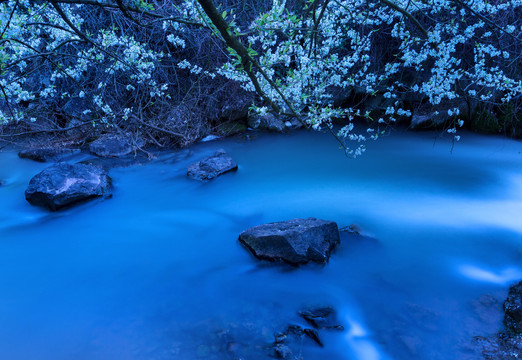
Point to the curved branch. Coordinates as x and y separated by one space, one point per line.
247 61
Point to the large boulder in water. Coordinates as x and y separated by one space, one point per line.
64 184
47 154
212 166
513 309
295 241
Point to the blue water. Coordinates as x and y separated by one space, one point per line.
156 272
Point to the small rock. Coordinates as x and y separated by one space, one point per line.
296 241
47 154
352 229
212 166
294 330
321 318
280 338
112 145
64 184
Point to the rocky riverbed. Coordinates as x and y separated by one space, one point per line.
157 270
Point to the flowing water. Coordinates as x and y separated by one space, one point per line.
156 272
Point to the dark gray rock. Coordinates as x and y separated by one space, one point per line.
267 122
49 154
212 166
64 184
112 145
504 346
295 241
290 341
513 309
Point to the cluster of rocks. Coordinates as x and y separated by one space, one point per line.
288 342
64 184
212 166
295 242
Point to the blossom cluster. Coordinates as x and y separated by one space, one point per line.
49 58
307 61
452 52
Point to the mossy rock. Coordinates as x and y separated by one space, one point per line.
231 128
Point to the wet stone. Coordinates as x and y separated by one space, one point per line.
212 166
114 145
296 241
63 184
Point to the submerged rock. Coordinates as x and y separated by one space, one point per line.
321 318
64 184
290 340
47 154
212 166
112 145
295 241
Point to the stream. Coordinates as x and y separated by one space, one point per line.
156 272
